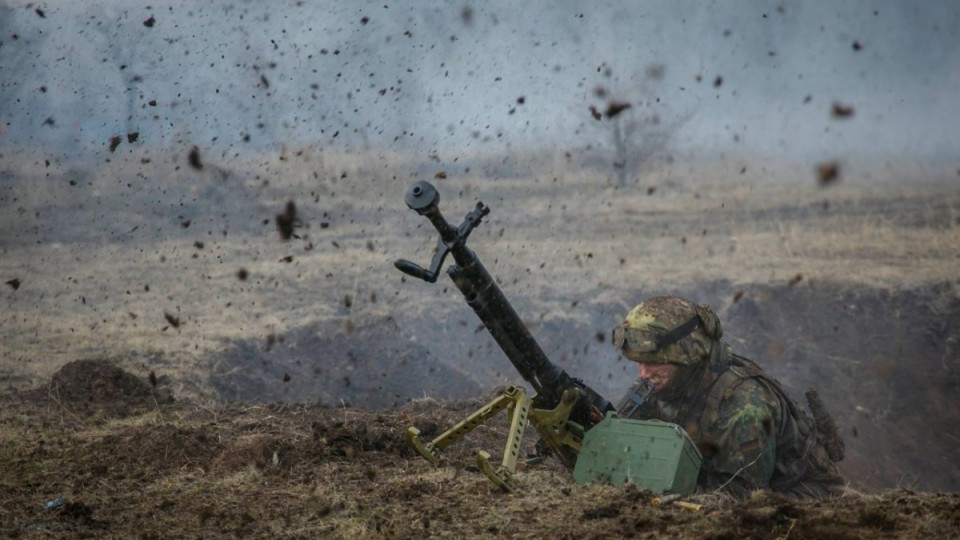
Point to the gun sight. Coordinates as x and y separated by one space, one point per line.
423 198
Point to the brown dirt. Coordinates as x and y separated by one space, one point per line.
99 387
185 469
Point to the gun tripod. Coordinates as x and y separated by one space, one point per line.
553 425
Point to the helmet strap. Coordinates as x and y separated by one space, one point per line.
679 332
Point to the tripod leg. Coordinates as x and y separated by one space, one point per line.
431 450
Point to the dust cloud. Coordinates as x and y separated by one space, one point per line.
458 79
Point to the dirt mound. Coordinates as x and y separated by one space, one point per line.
97 386
284 470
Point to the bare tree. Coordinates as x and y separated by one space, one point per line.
634 128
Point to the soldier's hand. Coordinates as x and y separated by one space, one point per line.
596 415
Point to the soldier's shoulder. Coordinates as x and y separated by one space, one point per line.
749 391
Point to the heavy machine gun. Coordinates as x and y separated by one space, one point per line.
561 409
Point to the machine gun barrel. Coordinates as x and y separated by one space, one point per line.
548 380
503 323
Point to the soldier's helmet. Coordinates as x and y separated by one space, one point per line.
667 330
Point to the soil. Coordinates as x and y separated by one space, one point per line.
173 365
98 387
293 470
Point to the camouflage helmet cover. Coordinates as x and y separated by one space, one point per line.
667 330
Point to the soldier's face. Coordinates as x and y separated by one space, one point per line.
658 374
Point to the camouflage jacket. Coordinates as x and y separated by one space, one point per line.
751 434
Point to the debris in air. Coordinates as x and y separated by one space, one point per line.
286 220
828 173
615 108
173 320
839 110
193 158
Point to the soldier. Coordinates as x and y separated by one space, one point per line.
751 434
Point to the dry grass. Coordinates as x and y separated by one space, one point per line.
555 236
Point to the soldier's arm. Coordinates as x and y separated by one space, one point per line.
745 432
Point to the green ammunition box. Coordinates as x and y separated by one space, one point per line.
650 454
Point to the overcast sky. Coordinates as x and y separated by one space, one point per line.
739 77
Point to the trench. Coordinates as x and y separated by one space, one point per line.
886 363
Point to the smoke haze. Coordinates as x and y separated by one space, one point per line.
702 78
